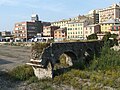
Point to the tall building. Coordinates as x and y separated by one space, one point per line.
111 12
75 30
94 14
27 30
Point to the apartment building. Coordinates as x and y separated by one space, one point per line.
115 29
27 30
48 31
91 29
94 14
62 23
105 26
111 12
60 34
75 30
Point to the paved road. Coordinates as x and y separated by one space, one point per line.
12 56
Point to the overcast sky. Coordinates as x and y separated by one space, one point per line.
12 11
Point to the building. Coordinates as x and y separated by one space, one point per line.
91 29
94 14
62 23
115 29
27 30
105 26
0 33
111 12
46 23
60 34
75 30
6 34
34 17
48 31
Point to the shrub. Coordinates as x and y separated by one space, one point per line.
33 79
92 36
37 49
22 72
109 58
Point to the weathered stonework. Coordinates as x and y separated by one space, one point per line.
41 73
77 51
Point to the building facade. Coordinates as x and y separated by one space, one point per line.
112 12
94 14
60 34
62 23
115 29
105 26
34 17
75 30
48 31
6 34
27 30
91 29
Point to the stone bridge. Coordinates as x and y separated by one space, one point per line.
76 52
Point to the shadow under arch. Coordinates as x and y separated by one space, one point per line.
88 55
66 61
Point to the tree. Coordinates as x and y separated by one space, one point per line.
106 37
92 36
110 39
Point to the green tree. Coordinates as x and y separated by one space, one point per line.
106 37
92 36
110 39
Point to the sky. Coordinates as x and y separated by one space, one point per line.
12 11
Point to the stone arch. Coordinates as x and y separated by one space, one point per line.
68 62
71 57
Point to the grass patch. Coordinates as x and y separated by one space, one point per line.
22 72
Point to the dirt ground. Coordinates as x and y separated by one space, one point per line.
12 56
